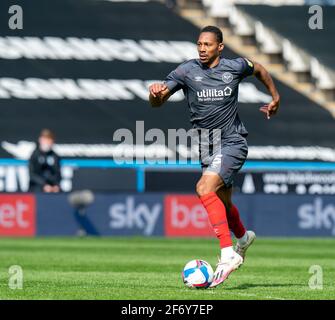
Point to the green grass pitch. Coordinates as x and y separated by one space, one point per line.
150 268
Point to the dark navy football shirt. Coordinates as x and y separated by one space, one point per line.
212 93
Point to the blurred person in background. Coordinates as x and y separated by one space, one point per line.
44 165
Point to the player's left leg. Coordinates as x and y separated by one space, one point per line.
233 217
244 238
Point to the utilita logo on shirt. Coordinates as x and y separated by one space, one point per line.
213 94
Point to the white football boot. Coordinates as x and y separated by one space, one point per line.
242 249
225 267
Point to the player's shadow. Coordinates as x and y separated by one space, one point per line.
257 285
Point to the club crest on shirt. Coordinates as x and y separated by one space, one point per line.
227 77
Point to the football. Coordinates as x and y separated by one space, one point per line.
197 274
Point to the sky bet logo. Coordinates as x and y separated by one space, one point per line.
213 94
317 215
134 216
185 216
17 215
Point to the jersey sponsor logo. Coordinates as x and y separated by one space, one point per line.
227 91
227 77
208 93
213 94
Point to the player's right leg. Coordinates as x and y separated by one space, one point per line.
229 260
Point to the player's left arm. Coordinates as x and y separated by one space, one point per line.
264 76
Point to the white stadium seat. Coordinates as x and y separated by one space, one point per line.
269 41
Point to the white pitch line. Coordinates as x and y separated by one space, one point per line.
242 294
255 295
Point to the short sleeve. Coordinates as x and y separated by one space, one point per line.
176 79
244 67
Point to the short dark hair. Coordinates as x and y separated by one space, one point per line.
215 30
47 133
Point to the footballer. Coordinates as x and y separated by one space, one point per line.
210 85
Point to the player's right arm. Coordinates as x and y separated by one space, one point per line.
159 93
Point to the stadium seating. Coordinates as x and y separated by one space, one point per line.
305 50
306 53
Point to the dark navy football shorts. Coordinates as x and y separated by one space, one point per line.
226 159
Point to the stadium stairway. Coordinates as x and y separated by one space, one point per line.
245 46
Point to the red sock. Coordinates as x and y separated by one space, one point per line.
217 216
235 223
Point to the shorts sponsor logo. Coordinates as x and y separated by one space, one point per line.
17 215
186 216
